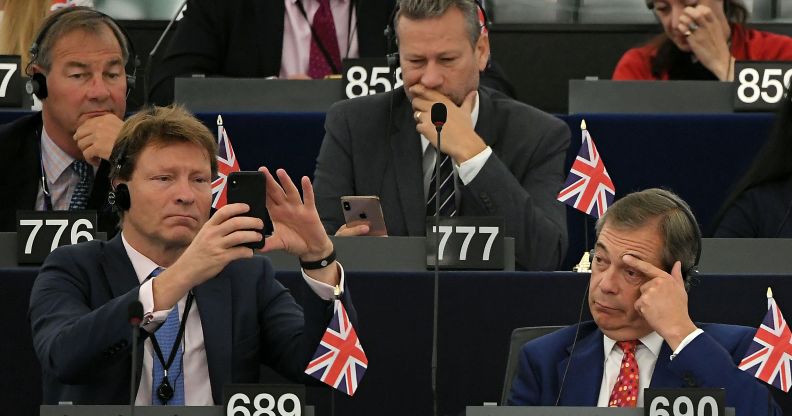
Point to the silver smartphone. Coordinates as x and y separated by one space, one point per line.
364 208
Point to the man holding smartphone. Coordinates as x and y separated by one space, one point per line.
507 157
192 273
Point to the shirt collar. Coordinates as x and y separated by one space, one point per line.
652 341
143 265
473 117
54 159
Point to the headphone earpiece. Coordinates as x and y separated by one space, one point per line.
119 198
37 85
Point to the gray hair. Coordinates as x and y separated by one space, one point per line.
679 229
68 20
426 9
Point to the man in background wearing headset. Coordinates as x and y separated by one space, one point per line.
648 244
57 159
169 255
508 157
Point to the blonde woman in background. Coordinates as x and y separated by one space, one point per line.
18 24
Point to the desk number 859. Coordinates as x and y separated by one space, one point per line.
773 79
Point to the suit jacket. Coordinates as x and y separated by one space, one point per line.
369 150
79 312
710 360
244 38
20 174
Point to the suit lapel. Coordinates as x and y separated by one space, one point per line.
118 270
485 126
269 41
584 377
213 299
662 376
406 150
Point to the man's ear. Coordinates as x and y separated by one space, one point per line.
482 51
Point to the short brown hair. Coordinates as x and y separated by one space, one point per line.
426 9
68 20
681 236
159 126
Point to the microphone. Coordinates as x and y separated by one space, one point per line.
439 115
135 309
147 75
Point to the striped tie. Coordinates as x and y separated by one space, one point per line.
166 338
82 191
446 193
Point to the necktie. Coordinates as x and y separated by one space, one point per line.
625 391
82 191
323 29
446 192
166 338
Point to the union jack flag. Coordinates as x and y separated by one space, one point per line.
769 354
588 187
339 361
226 163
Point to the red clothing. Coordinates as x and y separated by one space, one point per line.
747 45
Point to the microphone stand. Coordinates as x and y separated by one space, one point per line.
135 317
147 75
436 244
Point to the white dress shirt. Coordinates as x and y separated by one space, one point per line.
61 178
466 172
297 34
646 353
197 386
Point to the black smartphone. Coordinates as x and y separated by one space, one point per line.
250 188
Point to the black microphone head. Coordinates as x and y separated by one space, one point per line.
439 114
135 313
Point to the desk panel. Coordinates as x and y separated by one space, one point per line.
478 311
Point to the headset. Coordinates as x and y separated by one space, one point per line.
691 271
37 84
118 197
390 33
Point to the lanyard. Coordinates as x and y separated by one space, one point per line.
165 391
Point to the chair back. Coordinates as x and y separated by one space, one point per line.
518 338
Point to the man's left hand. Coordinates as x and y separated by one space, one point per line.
459 139
663 301
96 137
297 227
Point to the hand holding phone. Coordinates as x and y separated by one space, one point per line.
249 188
364 209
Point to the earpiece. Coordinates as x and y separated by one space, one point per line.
119 198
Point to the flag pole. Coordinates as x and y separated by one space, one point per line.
585 262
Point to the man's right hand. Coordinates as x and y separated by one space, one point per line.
216 244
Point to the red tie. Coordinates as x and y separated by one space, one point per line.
324 28
625 392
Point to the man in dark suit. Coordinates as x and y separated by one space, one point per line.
508 157
79 67
642 335
170 256
245 38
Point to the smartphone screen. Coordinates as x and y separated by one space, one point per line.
250 188
365 208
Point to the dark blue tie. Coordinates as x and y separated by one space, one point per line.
82 191
166 338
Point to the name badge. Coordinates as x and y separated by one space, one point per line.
41 232
369 76
760 85
11 85
465 243
264 399
684 402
